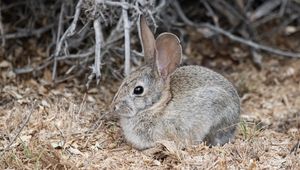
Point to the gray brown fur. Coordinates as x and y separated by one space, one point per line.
189 104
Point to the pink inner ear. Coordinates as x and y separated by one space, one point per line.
163 71
168 56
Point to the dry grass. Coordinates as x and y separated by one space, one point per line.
64 133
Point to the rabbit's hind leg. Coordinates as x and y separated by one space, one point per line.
220 137
224 136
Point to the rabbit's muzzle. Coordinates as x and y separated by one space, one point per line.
123 108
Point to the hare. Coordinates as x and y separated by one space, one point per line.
162 101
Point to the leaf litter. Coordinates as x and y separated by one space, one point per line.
60 132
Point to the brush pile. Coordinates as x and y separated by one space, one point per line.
96 39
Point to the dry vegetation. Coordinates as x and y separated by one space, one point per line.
61 125
64 130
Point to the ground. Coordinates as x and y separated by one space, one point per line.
63 127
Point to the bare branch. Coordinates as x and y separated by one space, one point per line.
60 25
127 39
69 32
234 37
60 22
122 4
27 69
27 33
251 43
1 28
89 52
99 40
265 9
96 67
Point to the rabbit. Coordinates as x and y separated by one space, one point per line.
163 101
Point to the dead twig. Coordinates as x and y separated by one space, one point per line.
211 13
126 24
122 4
1 27
97 63
60 25
29 69
89 52
99 40
295 148
234 37
69 32
251 43
94 130
250 33
27 33
60 22
265 9
26 120
227 10
98 122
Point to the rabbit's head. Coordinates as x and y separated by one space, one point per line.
148 86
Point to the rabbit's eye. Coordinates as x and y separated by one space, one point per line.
138 90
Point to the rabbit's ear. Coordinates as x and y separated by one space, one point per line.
147 39
169 53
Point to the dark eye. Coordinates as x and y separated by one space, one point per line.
138 90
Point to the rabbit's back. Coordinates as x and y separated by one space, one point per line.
204 103
188 78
